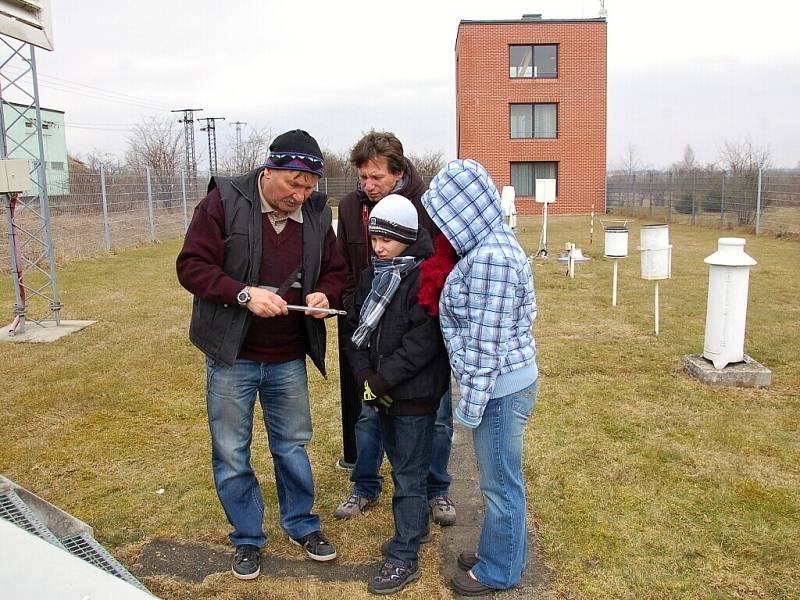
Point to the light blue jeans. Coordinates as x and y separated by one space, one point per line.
282 389
498 442
366 477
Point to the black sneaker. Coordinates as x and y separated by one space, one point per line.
316 546
391 578
246 562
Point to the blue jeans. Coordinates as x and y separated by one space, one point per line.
366 477
498 442
408 441
283 391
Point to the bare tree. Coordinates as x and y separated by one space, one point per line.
743 156
337 164
630 160
428 163
250 153
688 158
744 160
92 161
156 143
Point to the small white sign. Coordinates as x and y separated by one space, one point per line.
545 191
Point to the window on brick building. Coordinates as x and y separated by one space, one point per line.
525 174
538 61
534 120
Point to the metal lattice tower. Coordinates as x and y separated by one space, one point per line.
188 138
211 129
27 216
238 125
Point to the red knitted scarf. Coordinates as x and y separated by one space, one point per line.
433 272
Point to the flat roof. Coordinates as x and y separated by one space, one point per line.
537 21
54 110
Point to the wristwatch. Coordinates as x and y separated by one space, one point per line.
243 297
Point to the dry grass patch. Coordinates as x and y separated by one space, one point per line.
642 482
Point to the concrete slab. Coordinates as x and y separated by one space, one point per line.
45 331
748 373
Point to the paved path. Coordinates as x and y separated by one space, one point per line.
466 494
193 562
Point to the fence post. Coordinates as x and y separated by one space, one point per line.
722 203
650 193
106 231
183 196
669 199
694 189
150 217
758 203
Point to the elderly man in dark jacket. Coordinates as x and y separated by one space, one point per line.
382 169
258 243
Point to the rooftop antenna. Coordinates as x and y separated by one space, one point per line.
188 137
211 129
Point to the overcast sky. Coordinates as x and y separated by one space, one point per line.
698 72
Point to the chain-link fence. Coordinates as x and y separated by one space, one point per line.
94 212
757 200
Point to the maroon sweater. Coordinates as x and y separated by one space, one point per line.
276 339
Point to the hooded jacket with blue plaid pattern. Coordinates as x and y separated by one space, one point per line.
488 304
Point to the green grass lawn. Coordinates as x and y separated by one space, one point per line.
642 482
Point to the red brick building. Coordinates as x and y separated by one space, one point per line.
531 104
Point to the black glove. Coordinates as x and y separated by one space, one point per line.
369 398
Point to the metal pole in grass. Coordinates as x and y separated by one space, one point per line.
656 308
183 196
150 217
669 200
722 202
694 190
106 232
758 203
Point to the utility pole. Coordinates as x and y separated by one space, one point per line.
238 125
188 137
211 129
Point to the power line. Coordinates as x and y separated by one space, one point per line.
71 87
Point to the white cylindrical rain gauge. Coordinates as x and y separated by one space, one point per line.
616 241
656 252
726 313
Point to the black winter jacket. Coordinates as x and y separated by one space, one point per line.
351 234
406 350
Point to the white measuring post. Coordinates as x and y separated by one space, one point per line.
545 194
616 247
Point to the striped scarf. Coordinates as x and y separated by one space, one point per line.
388 273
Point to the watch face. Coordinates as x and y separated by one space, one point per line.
243 297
